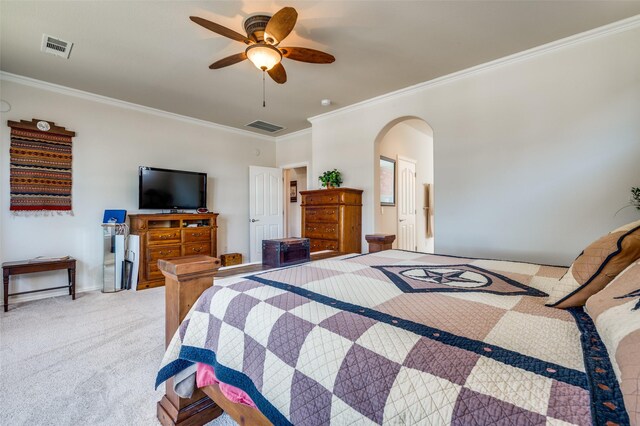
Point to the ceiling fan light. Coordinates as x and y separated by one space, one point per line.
270 39
263 56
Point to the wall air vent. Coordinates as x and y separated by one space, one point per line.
267 127
55 46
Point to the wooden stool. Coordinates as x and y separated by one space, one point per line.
29 266
379 242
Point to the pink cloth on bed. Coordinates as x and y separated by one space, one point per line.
206 375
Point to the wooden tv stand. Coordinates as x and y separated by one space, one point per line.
167 236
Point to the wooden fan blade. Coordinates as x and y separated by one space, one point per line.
278 74
303 54
229 60
280 25
219 29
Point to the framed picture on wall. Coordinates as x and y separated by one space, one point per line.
387 181
293 191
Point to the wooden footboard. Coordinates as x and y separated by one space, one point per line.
186 278
242 414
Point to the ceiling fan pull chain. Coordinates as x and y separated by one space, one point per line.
264 102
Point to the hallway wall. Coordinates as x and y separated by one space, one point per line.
411 139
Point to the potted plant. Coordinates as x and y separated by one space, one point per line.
634 199
331 179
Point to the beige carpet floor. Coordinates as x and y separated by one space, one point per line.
91 361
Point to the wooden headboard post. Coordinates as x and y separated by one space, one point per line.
185 280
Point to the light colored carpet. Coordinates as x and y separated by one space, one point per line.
91 361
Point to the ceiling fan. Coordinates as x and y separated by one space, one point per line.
264 34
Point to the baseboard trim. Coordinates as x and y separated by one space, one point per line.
49 294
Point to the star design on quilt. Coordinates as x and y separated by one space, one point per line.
633 293
454 278
447 276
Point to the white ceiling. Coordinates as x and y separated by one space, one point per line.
150 53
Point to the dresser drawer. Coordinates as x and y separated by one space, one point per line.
319 245
196 248
152 270
321 214
163 236
196 234
319 199
328 231
164 252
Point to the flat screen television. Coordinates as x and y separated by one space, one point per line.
171 189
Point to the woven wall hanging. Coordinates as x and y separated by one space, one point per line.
40 168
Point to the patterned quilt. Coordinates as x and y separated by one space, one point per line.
401 338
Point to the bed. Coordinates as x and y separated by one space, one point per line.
398 338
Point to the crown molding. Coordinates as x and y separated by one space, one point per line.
294 134
69 91
600 32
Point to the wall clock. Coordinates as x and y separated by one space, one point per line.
43 125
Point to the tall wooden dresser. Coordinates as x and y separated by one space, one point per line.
332 219
165 236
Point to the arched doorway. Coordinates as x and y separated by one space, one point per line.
404 163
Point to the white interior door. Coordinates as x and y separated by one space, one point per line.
406 204
265 208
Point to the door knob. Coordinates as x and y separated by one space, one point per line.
255 220
402 220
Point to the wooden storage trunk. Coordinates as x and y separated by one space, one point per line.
285 251
229 259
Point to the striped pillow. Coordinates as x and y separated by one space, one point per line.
596 266
616 314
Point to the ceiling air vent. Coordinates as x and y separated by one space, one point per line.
55 46
267 127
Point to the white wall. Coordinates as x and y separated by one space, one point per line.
294 211
294 149
293 152
411 139
532 157
111 143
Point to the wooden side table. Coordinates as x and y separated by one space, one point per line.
27 267
379 242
